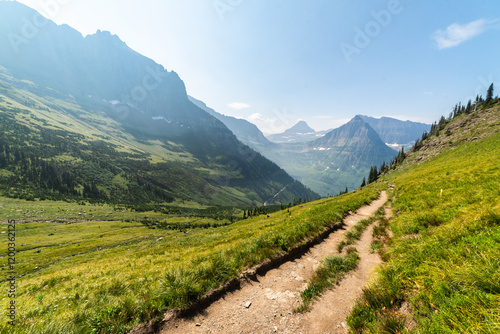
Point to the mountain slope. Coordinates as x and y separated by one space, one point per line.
441 273
96 82
338 160
245 131
354 137
395 132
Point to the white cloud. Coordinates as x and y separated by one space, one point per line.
238 105
455 34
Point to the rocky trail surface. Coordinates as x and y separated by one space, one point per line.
266 304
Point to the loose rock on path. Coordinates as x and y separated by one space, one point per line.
266 304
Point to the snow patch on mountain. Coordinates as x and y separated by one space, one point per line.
161 118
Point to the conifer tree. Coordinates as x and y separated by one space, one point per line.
469 107
489 96
364 182
373 176
442 123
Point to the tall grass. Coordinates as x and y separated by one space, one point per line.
444 259
107 277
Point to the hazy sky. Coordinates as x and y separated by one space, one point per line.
322 61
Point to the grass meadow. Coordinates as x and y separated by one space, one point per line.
442 273
98 269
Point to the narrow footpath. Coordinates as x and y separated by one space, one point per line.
266 304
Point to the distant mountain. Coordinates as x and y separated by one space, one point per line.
392 131
95 86
338 160
354 137
300 127
299 133
245 131
397 133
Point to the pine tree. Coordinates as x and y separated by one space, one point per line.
383 168
489 96
417 145
469 107
373 176
442 123
364 182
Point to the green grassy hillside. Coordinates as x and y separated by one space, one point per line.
55 147
442 273
66 284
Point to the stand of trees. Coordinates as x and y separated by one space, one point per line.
58 165
436 129
375 173
458 109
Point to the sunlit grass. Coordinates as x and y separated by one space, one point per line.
110 275
444 259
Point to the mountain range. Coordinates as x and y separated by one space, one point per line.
397 133
299 133
336 161
117 98
329 161
393 132
125 124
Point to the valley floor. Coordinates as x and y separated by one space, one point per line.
267 303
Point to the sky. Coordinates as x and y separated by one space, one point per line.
323 61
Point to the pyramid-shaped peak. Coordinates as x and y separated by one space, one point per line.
301 127
357 118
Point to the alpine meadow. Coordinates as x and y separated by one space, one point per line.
298 168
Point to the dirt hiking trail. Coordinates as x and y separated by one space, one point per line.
266 304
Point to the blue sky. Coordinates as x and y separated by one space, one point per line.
322 61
